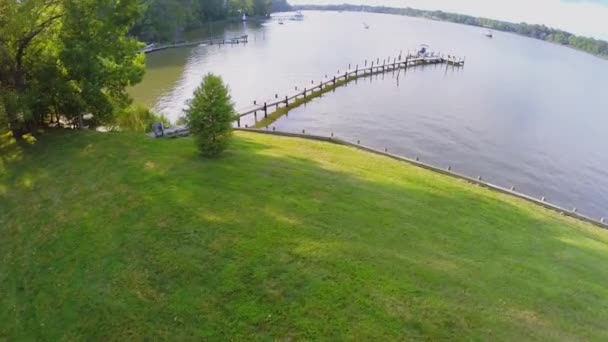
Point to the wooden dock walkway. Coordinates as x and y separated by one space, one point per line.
217 41
375 67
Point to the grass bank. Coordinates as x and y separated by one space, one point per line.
117 236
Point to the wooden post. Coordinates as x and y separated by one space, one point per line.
286 101
366 62
265 110
334 80
276 96
238 122
304 92
254 102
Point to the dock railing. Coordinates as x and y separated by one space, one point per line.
369 68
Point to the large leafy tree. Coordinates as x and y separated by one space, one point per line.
66 57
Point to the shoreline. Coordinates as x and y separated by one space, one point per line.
377 10
601 223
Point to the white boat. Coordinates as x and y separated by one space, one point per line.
280 21
299 15
148 48
366 26
489 34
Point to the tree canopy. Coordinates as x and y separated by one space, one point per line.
164 20
591 45
65 58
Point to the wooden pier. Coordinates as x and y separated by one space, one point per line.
374 67
218 41
371 68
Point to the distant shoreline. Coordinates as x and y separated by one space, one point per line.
539 32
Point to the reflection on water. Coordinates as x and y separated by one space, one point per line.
521 112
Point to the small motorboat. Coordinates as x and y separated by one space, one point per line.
423 51
489 34
366 26
280 21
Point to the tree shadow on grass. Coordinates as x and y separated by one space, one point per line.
271 242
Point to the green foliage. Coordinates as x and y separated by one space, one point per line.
138 118
591 45
210 115
68 58
165 20
280 6
118 237
182 121
162 20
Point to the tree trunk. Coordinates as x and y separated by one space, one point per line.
13 123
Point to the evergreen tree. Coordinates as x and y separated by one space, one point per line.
210 115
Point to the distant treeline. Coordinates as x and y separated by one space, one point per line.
591 45
164 20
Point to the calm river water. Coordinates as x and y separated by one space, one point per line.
522 112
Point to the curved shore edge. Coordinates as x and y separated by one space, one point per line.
477 181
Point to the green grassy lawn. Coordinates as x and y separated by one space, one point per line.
121 237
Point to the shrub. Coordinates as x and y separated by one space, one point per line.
210 114
138 118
